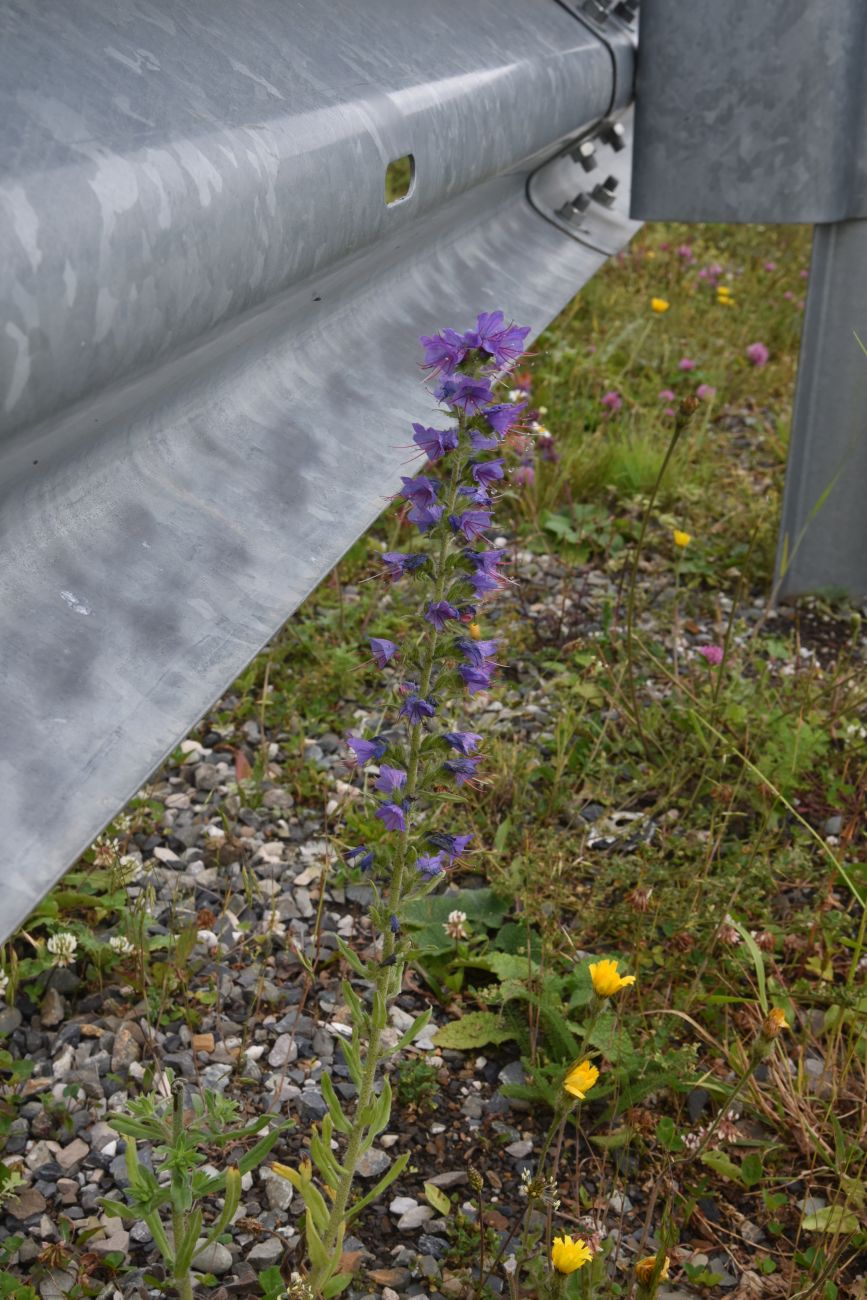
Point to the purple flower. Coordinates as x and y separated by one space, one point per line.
463 769
424 517
444 352
417 708
487 472
394 924
503 416
685 251
476 679
439 612
390 779
421 490
546 447
476 652
472 523
466 393
382 650
712 653
501 341
465 742
666 395
483 582
524 475
365 750
758 354
430 865
484 561
612 400
481 442
398 564
477 495
770 266
452 845
365 857
391 816
705 392
685 363
434 442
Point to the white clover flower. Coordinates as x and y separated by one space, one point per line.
455 926
121 946
62 948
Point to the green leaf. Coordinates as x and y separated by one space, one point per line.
341 1123
721 1164
613 1141
437 1199
482 906
751 1169
416 1027
667 1135
501 838
475 1029
336 1284
385 1181
758 962
832 1218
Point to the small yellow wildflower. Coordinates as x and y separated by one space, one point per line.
567 1255
659 304
644 1270
580 1079
775 1022
475 631
681 539
723 291
606 980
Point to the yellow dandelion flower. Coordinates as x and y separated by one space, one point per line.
659 304
681 539
723 291
567 1255
475 631
606 980
645 1269
580 1079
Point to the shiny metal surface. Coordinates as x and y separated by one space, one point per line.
208 357
751 111
823 533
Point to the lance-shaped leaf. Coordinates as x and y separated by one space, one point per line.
320 1149
352 1058
335 1110
230 1204
116 1209
302 1181
315 1249
338 1283
352 959
357 1011
421 1022
380 1010
387 1179
184 1255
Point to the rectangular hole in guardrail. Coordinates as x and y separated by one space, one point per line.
399 178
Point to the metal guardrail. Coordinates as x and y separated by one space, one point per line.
209 315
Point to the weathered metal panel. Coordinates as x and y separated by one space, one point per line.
751 111
209 332
823 534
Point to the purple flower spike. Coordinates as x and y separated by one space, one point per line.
503 342
452 845
424 517
487 472
439 612
367 750
390 779
421 490
465 742
394 924
462 769
382 650
365 857
503 416
467 394
397 564
476 679
391 816
443 352
472 523
416 708
430 865
476 652
434 442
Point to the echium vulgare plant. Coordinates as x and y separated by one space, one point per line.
421 761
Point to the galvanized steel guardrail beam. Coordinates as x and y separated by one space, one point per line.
209 322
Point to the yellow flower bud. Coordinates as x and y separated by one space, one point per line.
659 304
645 1269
